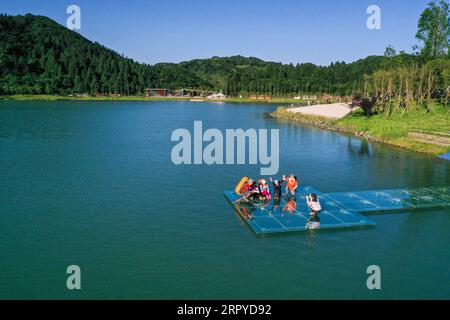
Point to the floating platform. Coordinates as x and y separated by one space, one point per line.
445 156
340 210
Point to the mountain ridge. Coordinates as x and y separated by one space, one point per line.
40 56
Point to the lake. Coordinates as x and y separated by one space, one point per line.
92 184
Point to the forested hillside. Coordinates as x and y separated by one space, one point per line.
39 56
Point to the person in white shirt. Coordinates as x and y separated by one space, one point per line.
313 204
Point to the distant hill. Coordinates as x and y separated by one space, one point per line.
238 75
39 56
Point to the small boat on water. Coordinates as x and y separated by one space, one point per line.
197 100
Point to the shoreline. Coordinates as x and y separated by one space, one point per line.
141 98
400 137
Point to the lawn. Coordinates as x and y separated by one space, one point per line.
395 130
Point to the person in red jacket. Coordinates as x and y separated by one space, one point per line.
292 185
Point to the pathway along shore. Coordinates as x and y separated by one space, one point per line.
406 132
331 111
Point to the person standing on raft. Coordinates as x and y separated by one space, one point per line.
292 185
277 189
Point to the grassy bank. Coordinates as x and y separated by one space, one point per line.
141 98
420 131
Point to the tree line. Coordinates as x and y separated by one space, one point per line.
39 56
416 80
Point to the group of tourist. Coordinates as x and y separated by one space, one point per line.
259 191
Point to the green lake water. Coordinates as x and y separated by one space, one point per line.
92 184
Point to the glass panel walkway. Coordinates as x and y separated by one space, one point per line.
339 210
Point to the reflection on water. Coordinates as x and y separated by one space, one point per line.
313 223
291 206
278 209
359 147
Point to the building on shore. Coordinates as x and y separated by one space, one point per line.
79 95
217 96
192 93
328 98
260 97
157 92
306 98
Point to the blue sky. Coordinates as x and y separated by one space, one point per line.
317 31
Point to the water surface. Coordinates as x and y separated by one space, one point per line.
92 184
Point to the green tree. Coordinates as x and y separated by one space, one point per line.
390 52
434 29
